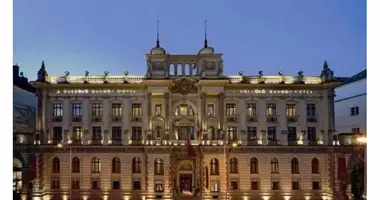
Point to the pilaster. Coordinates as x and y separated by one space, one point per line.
262 127
281 113
126 128
86 113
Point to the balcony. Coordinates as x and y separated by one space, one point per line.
136 118
57 119
116 118
313 143
96 119
273 142
253 142
252 119
76 118
272 119
77 141
231 118
312 119
292 119
136 142
97 142
116 141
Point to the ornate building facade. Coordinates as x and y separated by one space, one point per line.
130 137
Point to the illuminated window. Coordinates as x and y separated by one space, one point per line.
315 166
232 133
254 166
55 168
233 166
275 185
116 133
116 109
210 110
75 184
76 109
115 165
136 109
230 109
95 162
184 110
96 133
136 133
159 187
310 110
295 166
271 109
158 167
290 110
75 165
251 109
252 133
214 169
96 109
55 183
57 109
136 165
274 165
158 109
214 187
77 133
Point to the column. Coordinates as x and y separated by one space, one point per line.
126 120
301 112
66 119
175 69
166 115
183 69
243 124
281 114
44 119
85 120
106 120
263 124
221 114
191 69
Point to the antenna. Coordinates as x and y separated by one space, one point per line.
205 46
158 34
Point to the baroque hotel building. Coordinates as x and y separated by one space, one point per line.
130 137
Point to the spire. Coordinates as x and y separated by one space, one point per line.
158 34
205 45
325 65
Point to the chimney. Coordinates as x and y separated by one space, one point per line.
16 71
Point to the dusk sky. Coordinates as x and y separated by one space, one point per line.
115 35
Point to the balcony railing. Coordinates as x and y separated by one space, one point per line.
275 79
136 118
231 118
116 142
292 119
312 119
252 119
253 142
273 142
76 118
57 119
272 119
96 142
117 118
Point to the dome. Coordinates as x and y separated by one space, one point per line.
157 51
206 50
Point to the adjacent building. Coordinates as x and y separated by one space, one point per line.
186 129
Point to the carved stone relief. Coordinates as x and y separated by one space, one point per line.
184 86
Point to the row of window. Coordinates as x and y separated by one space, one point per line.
159 166
183 110
255 185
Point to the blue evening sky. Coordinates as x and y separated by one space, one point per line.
115 35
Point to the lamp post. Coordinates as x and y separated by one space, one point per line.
70 168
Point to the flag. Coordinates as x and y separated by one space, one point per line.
32 167
190 149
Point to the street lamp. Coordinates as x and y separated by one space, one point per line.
70 163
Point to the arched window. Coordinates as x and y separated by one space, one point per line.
55 168
136 165
254 166
214 166
184 110
115 165
158 132
95 165
315 166
295 166
233 166
158 167
274 165
75 165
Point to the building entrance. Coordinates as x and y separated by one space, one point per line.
185 181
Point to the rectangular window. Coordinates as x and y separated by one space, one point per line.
136 133
230 109
272 134
354 111
210 110
214 187
136 185
234 185
254 185
76 109
232 132
96 133
290 110
136 109
275 185
77 133
116 133
57 133
159 187
251 109
316 185
252 133
75 184
96 109
312 134
158 109
292 133
55 183
310 110
115 185
116 109
95 183
271 109
295 185
57 109
355 130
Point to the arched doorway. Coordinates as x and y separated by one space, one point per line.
186 177
17 175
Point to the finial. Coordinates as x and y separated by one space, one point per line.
205 45
43 64
325 65
158 34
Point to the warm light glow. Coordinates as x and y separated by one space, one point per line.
69 141
64 197
126 197
266 197
234 144
259 142
307 197
59 145
320 142
361 140
286 197
299 142
50 141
